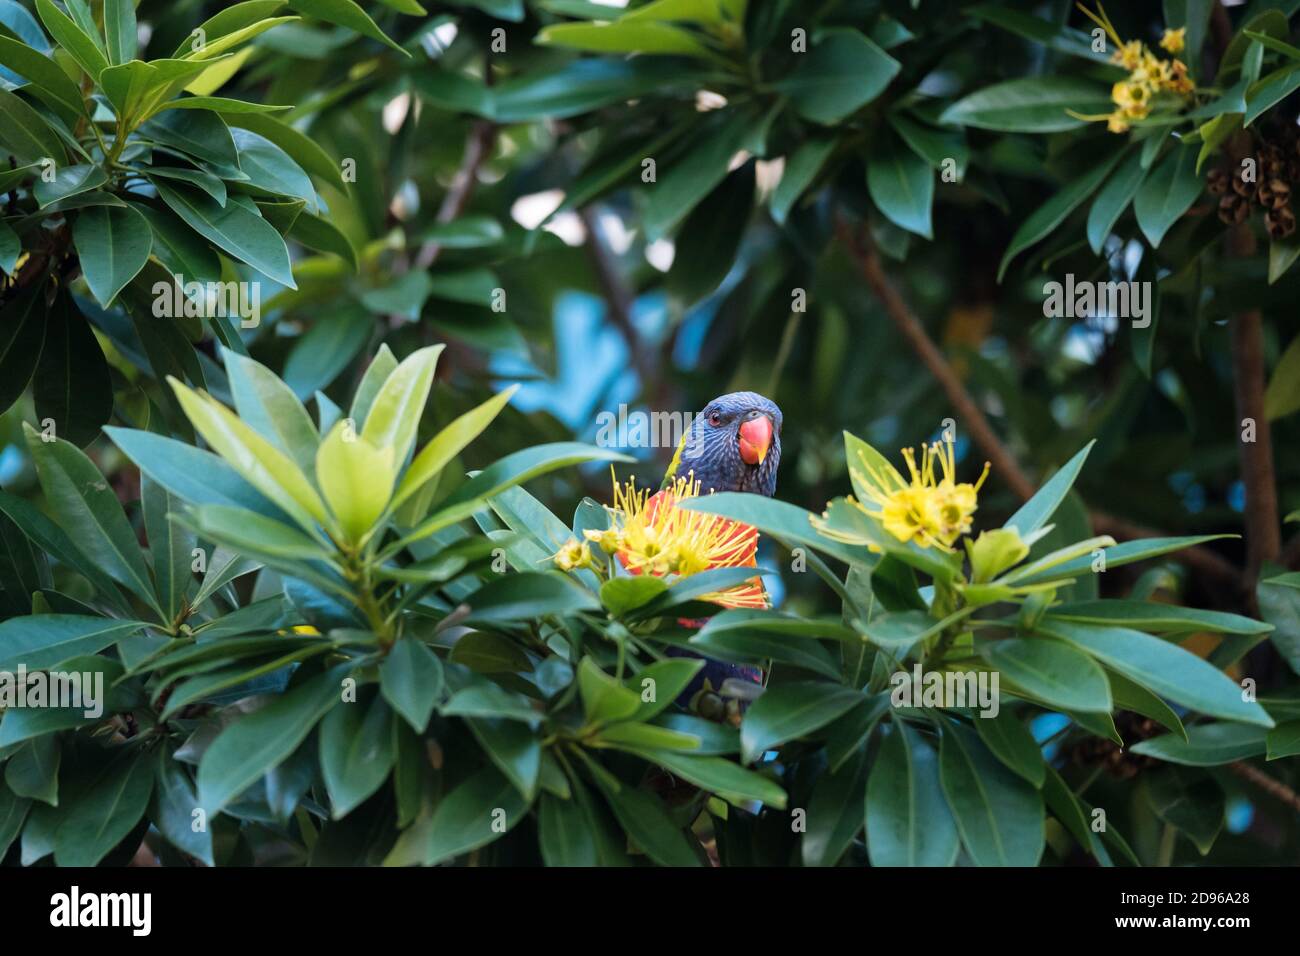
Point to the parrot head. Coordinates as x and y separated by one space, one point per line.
734 444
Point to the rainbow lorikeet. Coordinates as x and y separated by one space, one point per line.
734 444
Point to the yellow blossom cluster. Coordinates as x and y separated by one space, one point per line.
1149 74
650 535
932 508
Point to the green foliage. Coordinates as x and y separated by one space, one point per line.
268 276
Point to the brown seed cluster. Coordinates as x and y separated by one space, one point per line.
1265 183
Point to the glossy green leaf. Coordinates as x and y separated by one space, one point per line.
908 821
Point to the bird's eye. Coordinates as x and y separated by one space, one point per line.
715 419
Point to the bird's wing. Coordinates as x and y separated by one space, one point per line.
671 474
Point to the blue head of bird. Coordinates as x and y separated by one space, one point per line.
734 444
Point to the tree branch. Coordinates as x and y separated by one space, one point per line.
976 422
1005 466
478 147
1273 787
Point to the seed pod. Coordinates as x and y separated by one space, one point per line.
1216 181
1280 223
1281 193
1264 194
1233 208
1242 187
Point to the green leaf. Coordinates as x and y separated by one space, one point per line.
1271 90
1116 555
303 149
113 244
604 700
270 168
88 510
244 235
270 408
1010 741
1282 397
757 646
684 182
564 833
346 14
1037 104
901 184
1044 220
473 815
647 822
488 653
47 81
68 181
321 235
1164 668
251 746
664 681
13 812
356 752
193 475
842 73
801 168
625 36
55 542
1130 695
716 775
513 747
256 460
835 813
1156 617
489 700
104 810
22 336
33 771
1206 745
788 711
1113 199
25 134
356 478
1050 671
1167 193
119 29
173 806
908 821
1190 801
999 815
1284 740
73 386
526 596
170 545
411 680
623 594
72 38
394 414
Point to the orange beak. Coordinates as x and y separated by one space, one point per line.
755 439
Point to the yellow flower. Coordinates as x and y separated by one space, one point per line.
931 509
1116 123
651 535
1129 55
1172 41
573 556
610 540
1134 98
